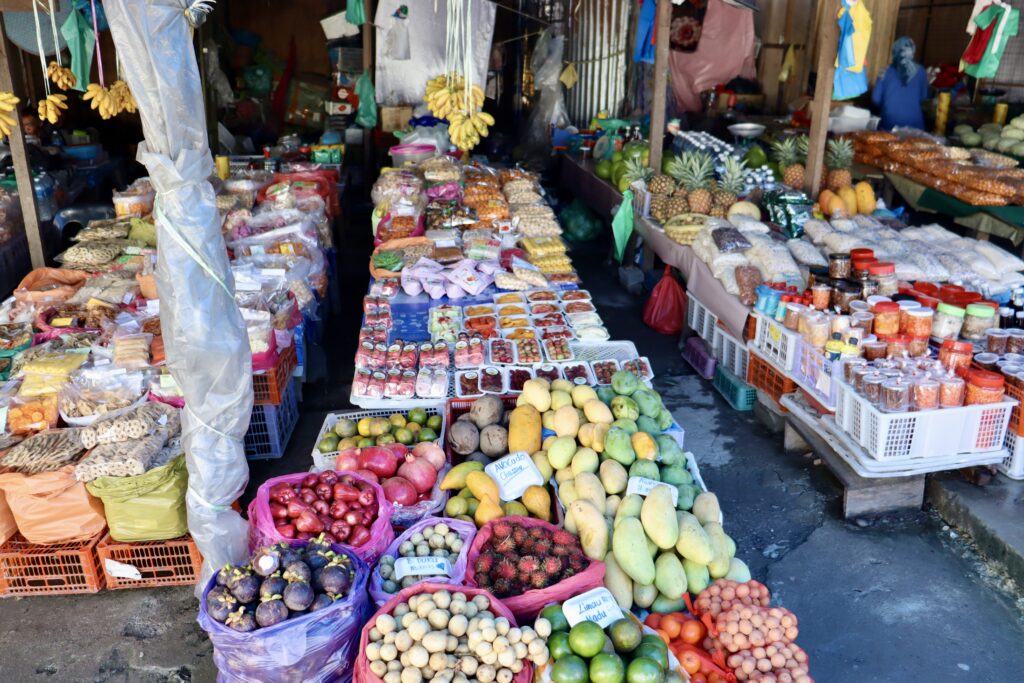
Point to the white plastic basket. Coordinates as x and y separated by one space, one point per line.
699 318
775 342
323 461
1013 464
730 352
815 374
927 434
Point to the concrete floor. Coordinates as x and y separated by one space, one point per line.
899 599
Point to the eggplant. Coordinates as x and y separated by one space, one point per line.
321 601
271 611
266 561
297 571
335 579
246 589
242 620
272 585
298 596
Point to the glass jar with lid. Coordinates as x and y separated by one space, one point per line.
895 396
883 274
984 387
917 322
978 319
947 321
995 340
839 266
905 307
956 355
887 318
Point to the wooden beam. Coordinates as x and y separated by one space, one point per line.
828 47
662 23
22 171
775 41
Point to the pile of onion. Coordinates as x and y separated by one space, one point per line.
407 476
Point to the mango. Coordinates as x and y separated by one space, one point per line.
646 424
561 450
706 509
658 515
611 506
535 393
570 524
514 508
542 383
566 421
548 440
648 469
482 486
606 394
625 408
617 582
540 459
524 429
563 475
588 487
547 420
562 385
456 477
644 446
629 507
687 492
537 500
664 419
648 402
625 383
613 476
675 475
629 544
669 575
663 605
644 596
486 511
715 529
586 435
560 399
585 460
600 434
567 492
592 528
697 577
581 416
629 426
692 541
669 452
617 445
738 571
583 394
597 412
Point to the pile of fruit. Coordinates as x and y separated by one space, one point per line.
431 541
337 507
413 427
625 166
688 186
279 583
407 476
519 558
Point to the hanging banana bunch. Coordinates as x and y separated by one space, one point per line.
453 95
122 97
99 99
61 76
8 103
49 108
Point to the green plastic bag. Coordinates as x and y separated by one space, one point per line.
367 114
622 224
579 223
355 12
149 507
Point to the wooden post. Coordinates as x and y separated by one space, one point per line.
22 171
828 45
663 22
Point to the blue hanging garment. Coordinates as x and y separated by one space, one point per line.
85 7
848 84
644 50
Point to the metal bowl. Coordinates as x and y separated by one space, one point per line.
746 130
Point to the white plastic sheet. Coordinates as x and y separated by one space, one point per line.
204 335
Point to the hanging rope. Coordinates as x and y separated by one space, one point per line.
99 54
53 29
39 46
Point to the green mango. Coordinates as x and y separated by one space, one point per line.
647 402
645 468
625 383
675 475
664 605
617 445
629 426
606 394
687 493
646 424
625 408
670 452
629 506
664 419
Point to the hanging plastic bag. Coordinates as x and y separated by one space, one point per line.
622 224
665 311
355 12
52 507
398 36
367 114
149 507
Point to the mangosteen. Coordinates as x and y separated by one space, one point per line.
266 561
317 560
335 579
224 575
272 585
241 620
220 606
271 611
297 571
246 589
237 574
298 596
288 555
321 601
317 545
217 591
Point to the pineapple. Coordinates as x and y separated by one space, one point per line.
677 204
636 170
839 158
731 183
659 208
662 184
675 168
787 152
696 177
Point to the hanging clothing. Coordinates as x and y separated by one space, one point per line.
979 43
643 52
851 79
979 5
899 102
1006 23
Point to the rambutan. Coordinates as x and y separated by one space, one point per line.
505 569
502 529
564 538
560 550
501 588
538 532
505 545
484 563
519 535
527 547
528 564
540 580
542 547
577 563
552 565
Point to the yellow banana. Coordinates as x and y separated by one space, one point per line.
49 108
8 101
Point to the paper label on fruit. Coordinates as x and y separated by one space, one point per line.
122 570
514 473
642 486
596 605
422 566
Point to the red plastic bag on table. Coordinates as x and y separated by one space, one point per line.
527 606
665 310
498 607
262 531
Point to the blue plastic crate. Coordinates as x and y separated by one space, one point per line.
271 427
299 339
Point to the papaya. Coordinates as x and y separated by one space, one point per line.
629 544
524 429
658 515
644 446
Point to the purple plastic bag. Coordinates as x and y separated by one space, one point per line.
465 530
319 647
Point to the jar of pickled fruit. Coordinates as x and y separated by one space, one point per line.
952 391
884 277
917 322
978 320
984 387
948 321
925 394
887 318
955 356
821 296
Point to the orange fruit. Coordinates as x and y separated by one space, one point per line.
692 632
653 620
690 662
671 626
663 635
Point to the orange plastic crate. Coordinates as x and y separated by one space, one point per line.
268 387
1016 415
162 563
60 568
762 375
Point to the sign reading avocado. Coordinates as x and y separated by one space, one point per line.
642 486
595 605
514 473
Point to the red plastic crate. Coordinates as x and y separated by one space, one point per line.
762 375
56 569
162 563
268 388
460 406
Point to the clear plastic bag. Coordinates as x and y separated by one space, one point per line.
729 240
748 279
145 420
804 253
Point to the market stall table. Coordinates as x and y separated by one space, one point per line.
578 178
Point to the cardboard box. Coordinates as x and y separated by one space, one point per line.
395 118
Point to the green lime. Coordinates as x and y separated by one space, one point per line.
329 443
427 434
365 442
569 669
603 169
434 422
403 435
384 439
625 634
651 639
397 420
586 638
553 613
418 415
644 670
607 668
673 677
616 156
558 645
456 506
413 427
648 651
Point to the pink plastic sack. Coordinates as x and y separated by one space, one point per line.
465 530
527 606
362 670
261 524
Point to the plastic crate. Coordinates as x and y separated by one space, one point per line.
926 434
270 427
56 569
699 356
770 379
1013 464
174 562
699 319
737 393
729 351
815 374
322 461
775 342
461 406
268 387
1017 416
